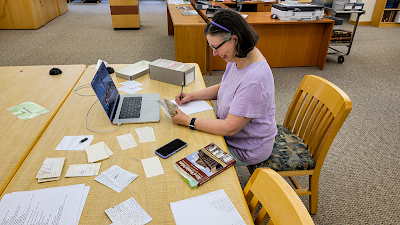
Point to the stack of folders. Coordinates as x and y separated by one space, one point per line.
204 164
51 169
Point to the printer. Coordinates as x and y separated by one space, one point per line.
298 11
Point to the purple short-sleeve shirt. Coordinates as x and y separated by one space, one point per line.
249 92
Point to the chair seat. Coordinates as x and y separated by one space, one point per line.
289 153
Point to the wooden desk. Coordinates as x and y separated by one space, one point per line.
189 37
20 84
153 194
30 14
286 43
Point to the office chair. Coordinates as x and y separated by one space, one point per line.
314 117
279 202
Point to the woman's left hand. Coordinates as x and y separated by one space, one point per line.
181 118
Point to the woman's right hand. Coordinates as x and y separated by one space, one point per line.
186 97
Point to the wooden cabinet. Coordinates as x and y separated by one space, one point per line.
125 14
384 17
30 14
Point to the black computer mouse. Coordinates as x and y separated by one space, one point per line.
55 71
274 16
110 70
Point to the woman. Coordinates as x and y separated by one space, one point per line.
245 96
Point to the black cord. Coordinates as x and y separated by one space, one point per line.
4 10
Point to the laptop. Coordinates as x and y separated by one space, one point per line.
137 108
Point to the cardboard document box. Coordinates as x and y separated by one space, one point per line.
171 72
298 11
134 71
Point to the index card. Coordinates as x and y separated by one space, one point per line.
145 134
152 167
195 106
83 170
98 152
51 168
126 141
116 178
127 213
132 83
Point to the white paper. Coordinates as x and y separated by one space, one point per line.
216 205
99 63
51 168
145 134
116 178
130 90
72 143
98 152
152 167
126 141
83 170
128 212
132 83
195 106
59 205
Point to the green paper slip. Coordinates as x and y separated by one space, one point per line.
27 110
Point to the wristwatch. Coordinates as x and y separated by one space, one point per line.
191 125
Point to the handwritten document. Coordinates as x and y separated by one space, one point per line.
51 169
116 178
216 205
145 134
126 141
83 170
152 167
27 110
98 152
53 206
128 212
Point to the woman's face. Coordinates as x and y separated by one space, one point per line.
226 48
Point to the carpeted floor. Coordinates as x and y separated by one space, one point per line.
359 180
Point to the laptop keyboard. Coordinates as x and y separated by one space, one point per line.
131 108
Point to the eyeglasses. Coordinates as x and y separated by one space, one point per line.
216 48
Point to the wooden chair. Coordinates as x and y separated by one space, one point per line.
314 117
277 198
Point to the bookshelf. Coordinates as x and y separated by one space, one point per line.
384 13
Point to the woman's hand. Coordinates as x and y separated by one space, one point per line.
186 97
181 118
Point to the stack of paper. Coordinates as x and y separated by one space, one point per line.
128 212
131 87
83 170
59 205
50 169
116 178
98 152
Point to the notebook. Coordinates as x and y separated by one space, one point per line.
137 108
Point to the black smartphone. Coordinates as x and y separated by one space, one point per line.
171 148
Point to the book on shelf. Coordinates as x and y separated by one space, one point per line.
204 164
341 33
341 39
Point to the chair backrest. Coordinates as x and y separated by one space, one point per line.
316 113
278 199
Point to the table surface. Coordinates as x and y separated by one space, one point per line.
20 84
153 194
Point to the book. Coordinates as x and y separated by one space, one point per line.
204 164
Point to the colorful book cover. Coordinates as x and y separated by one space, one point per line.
204 164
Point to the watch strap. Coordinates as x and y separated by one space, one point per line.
191 125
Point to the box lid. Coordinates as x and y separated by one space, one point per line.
298 7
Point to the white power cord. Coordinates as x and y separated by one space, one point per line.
96 130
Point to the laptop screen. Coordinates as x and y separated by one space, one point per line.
105 90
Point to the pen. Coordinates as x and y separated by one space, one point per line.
83 140
181 91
